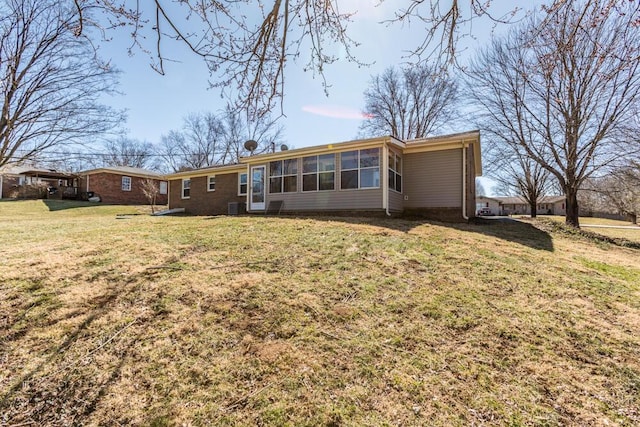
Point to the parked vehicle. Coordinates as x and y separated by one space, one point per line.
485 212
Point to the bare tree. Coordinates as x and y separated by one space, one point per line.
151 189
207 139
411 103
129 152
564 94
620 190
51 80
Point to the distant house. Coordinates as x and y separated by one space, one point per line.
547 205
121 185
491 204
432 177
28 182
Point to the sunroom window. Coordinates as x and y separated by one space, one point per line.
360 169
283 176
318 173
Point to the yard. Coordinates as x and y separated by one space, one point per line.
111 317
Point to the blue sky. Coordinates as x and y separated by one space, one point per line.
156 104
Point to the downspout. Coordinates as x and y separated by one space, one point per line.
464 183
385 178
1 182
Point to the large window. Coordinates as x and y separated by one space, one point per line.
126 183
360 169
283 176
186 188
319 173
163 187
211 183
395 172
242 184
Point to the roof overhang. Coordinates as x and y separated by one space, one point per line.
207 171
360 144
48 174
122 172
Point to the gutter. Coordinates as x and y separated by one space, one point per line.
464 183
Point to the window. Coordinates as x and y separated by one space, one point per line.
395 172
360 169
163 187
126 183
242 184
211 183
283 176
186 188
318 173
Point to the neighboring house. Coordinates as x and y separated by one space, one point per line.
547 205
121 185
33 183
431 177
490 203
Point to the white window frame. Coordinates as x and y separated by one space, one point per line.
163 187
126 183
318 172
211 179
186 187
397 159
284 175
240 184
359 170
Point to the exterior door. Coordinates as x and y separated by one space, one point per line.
256 198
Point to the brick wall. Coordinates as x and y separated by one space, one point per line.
109 187
203 202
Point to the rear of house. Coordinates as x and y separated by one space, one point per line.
121 185
431 177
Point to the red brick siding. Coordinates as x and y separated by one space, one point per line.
203 202
109 187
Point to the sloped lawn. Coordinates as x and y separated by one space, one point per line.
109 317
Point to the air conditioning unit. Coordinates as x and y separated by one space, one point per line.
236 208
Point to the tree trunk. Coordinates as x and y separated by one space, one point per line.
634 219
534 210
571 217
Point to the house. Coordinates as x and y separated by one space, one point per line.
432 177
488 204
547 205
33 183
121 185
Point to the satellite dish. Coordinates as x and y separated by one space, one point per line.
284 147
251 145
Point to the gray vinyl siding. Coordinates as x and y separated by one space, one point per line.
370 198
395 201
433 179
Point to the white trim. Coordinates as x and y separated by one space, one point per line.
464 183
182 196
240 183
260 206
123 179
209 183
385 179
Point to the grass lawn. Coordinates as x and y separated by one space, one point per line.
630 232
108 317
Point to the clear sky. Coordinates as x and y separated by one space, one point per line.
156 104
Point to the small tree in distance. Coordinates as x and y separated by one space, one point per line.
151 189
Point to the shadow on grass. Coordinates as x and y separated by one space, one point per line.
507 229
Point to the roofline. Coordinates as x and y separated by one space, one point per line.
121 172
211 170
318 149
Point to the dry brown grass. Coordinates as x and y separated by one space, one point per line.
142 320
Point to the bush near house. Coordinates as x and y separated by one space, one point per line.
112 317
